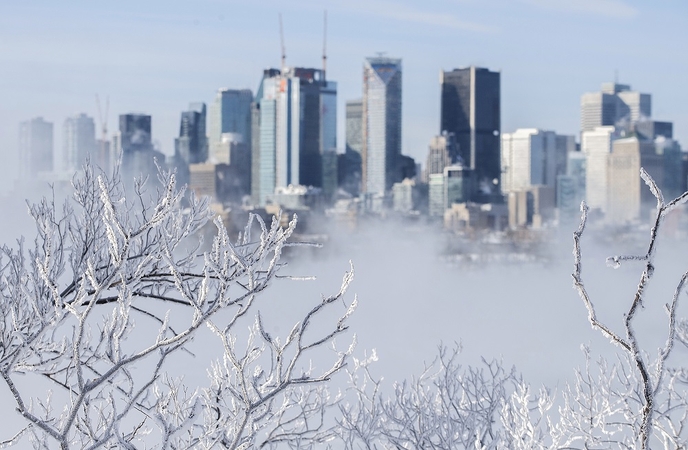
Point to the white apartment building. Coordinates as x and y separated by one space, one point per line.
531 157
596 145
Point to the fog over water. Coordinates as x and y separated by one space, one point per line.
410 300
528 315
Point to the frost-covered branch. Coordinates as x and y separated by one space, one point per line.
650 376
114 287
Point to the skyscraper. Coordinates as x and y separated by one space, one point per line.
354 125
78 141
307 121
295 115
596 145
571 188
35 147
532 157
623 182
191 145
614 105
470 108
136 133
230 112
442 152
381 124
349 163
135 143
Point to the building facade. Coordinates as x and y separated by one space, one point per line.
571 188
623 182
35 147
381 124
471 109
295 116
442 152
78 141
596 145
614 105
402 196
135 143
354 126
533 157
191 147
230 112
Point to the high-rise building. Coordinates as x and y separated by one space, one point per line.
258 194
458 185
402 195
532 157
571 188
230 112
202 179
381 124
674 179
354 126
191 147
35 147
135 142
78 141
135 132
436 203
349 163
612 166
264 144
442 152
623 181
629 139
470 108
614 105
308 124
652 129
295 113
596 145
329 173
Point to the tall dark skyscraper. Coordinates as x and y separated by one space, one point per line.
135 132
136 145
471 110
311 102
191 145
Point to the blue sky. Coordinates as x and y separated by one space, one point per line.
157 56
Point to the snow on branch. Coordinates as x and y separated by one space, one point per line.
75 314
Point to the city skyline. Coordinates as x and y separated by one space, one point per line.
62 56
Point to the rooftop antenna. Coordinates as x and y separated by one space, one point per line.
616 76
324 55
284 55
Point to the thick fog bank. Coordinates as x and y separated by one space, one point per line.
527 314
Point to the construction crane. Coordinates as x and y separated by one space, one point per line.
284 55
324 57
103 118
